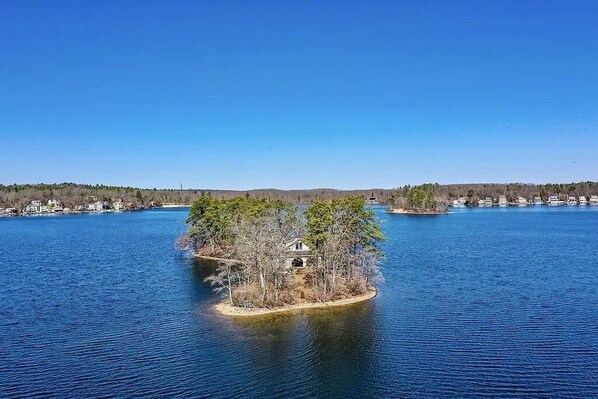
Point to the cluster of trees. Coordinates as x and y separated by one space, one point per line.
213 222
345 238
253 234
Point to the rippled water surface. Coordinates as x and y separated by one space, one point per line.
481 302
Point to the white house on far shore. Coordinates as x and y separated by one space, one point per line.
97 206
34 207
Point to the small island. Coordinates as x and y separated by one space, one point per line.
417 200
274 258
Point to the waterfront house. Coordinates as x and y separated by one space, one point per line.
459 203
34 207
55 205
502 200
298 253
521 201
554 200
594 200
485 202
95 206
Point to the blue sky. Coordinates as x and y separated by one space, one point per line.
298 94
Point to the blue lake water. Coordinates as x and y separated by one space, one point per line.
481 302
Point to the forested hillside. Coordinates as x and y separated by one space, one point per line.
72 194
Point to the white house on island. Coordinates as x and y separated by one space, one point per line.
298 252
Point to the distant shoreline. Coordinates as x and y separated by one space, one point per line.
226 309
87 212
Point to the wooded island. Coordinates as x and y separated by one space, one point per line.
273 256
417 200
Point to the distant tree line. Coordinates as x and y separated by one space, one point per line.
72 194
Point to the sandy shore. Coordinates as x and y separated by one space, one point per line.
228 310
402 211
215 258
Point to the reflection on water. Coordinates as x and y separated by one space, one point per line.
314 351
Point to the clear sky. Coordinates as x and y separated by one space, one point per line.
298 94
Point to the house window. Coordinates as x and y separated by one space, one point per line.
298 245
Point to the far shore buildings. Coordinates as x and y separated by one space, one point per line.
94 206
55 206
372 200
34 207
98 206
118 205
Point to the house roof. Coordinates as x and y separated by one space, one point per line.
292 246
